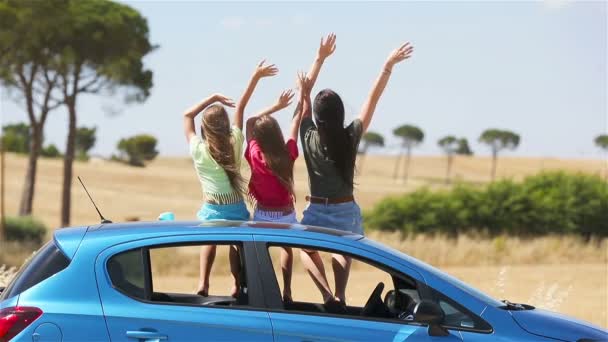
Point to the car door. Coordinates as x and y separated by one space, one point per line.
136 309
303 325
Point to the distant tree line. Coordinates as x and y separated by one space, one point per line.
16 138
134 150
411 136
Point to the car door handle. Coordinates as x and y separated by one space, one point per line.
147 336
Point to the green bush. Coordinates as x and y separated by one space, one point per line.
553 202
137 149
50 151
16 138
84 142
25 229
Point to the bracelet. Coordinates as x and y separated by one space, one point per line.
386 71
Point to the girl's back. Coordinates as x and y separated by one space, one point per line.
264 186
325 179
212 176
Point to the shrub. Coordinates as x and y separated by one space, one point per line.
50 151
25 229
137 149
16 138
554 202
84 141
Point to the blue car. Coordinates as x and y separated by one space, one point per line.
99 283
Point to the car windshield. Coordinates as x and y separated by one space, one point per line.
46 262
437 273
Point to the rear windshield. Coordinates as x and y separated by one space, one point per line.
49 260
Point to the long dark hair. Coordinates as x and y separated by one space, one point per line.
215 128
267 132
329 115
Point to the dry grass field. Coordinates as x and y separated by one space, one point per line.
564 274
170 184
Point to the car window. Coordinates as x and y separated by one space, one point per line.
458 317
437 273
396 294
48 261
126 271
170 275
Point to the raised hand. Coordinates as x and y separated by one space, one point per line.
327 46
285 99
265 70
304 84
400 54
303 109
226 101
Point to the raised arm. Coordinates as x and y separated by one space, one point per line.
283 102
304 107
326 48
369 106
193 111
260 71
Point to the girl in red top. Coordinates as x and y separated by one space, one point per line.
271 161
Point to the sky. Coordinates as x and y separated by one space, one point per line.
536 68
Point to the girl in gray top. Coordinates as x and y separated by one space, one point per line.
330 151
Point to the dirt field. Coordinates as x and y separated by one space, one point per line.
561 274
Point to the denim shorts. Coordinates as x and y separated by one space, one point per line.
273 216
341 216
236 212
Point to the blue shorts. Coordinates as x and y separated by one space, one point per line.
341 216
235 212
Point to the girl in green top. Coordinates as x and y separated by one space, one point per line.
217 155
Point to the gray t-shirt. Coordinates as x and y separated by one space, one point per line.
323 176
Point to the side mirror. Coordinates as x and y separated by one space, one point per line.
430 313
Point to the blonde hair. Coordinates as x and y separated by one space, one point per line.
215 128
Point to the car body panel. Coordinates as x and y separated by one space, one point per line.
9 302
176 322
70 300
289 326
47 332
554 325
68 240
79 302
504 329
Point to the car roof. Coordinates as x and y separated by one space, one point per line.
262 226
161 228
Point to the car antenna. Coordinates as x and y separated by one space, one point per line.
103 219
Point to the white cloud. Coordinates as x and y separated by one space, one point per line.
232 22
